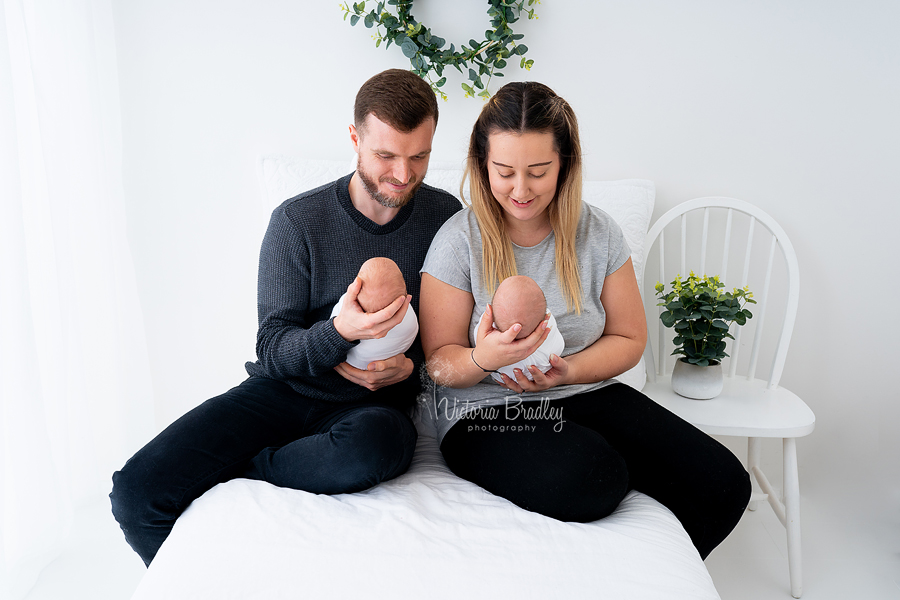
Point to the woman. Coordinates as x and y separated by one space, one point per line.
572 442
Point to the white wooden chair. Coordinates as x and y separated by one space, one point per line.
715 233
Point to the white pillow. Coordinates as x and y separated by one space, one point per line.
628 201
282 177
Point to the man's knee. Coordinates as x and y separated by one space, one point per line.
379 443
131 497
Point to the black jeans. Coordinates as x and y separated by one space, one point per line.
261 429
612 440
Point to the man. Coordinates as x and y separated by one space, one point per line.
305 419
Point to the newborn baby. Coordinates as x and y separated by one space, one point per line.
382 283
519 299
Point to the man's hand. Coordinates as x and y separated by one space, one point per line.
352 323
379 373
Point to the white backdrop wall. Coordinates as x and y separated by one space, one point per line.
791 106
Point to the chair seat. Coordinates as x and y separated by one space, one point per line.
744 408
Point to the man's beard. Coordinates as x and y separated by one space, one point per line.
387 201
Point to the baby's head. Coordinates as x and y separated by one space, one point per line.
382 283
519 299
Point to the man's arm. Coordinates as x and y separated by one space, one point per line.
287 343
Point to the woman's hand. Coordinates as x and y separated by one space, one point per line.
495 349
559 368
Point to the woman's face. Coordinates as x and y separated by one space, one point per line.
523 170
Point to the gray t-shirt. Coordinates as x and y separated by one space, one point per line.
455 258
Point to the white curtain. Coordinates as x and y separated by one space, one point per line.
75 382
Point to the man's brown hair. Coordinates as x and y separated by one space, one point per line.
399 98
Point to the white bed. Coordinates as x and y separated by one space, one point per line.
426 534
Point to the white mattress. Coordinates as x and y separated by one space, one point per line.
426 534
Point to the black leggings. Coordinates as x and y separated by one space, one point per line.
612 440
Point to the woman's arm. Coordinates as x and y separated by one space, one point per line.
618 349
444 316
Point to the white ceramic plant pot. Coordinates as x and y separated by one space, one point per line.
699 383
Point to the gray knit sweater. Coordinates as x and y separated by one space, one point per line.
315 244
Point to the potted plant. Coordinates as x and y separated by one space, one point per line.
701 314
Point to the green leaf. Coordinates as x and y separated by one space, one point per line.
472 75
485 94
354 19
473 44
441 81
409 48
521 49
720 324
369 20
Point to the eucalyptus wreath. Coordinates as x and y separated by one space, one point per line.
426 53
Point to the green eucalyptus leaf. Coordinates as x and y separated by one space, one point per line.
354 19
409 48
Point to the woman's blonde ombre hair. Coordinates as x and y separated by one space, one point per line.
521 108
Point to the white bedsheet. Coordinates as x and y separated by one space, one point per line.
426 534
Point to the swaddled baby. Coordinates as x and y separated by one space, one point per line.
382 283
519 299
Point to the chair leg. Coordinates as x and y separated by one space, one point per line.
754 450
792 515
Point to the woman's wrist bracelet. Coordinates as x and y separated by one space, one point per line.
476 363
